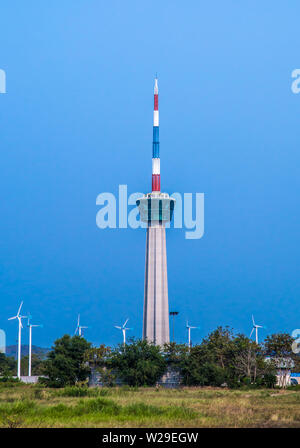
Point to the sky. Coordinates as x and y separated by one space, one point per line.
76 121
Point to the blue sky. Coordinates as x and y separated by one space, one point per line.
77 121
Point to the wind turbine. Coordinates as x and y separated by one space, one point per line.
30 326
255 327
79 327
124 329
19 317
189 328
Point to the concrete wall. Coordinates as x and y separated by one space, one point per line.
171 379
29 379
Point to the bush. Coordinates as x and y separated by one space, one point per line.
295 387
73 391
138 364
9 381
207 374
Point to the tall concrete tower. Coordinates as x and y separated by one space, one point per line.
156 210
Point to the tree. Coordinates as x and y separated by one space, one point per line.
279 348
65 364
220 344
245 358
249 364
223 358
8 366
174 353
138 364
199 368
97 356
207 364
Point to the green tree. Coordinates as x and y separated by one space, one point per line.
65 364
279 345
97 356
8 366
249 365
223 358
138 364
174 354
220 347
199 368
208 363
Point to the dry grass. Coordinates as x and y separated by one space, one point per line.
32 406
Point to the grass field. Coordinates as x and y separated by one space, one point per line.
33 406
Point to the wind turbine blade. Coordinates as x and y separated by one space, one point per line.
19 308
124 325
11 318
119 328
251 332
253 320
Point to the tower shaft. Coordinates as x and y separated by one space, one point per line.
156 306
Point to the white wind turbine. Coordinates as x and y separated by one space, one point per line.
19 317
30 326
79 327
189 328
124 329
255 327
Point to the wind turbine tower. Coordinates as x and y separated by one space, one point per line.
156 209
124 329
189 328
255 327
30 326
19 317
79 327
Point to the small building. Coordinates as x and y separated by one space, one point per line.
171 379
284 368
